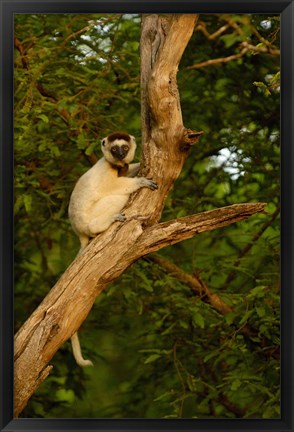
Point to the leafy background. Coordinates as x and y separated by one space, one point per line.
160 349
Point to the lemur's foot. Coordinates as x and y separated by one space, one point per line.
120 217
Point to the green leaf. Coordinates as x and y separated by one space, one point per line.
184 324
263 87
18 204
260 311
164 395
198 320
66 395
44 118
231 39
246 316
55 151
27 200
152 358
235 384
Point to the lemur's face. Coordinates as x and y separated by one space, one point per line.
119 148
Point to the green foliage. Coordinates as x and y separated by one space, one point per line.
272 85
160 349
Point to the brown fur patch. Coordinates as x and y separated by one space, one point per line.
122 171
119 136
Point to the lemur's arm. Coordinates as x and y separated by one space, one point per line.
133 169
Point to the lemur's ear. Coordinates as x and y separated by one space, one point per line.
133 139
103 141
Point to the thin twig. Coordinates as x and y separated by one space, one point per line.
218 60
245 48
211 36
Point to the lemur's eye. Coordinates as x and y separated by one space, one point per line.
114 149
125 148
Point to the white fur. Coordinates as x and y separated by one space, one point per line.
98 198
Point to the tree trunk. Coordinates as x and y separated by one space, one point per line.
165 148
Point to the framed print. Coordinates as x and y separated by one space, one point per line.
146 215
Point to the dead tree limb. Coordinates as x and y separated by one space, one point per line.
194 282
199 287
166 141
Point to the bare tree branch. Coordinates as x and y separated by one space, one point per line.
211 62
192 281
172 232
245 47
201 289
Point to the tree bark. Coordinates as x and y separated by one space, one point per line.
165 148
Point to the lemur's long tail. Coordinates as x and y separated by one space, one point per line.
77 353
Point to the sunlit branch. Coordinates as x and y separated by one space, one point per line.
246 47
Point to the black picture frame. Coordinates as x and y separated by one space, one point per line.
8 8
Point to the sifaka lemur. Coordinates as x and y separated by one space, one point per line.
101 193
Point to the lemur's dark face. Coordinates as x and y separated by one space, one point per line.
119 148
